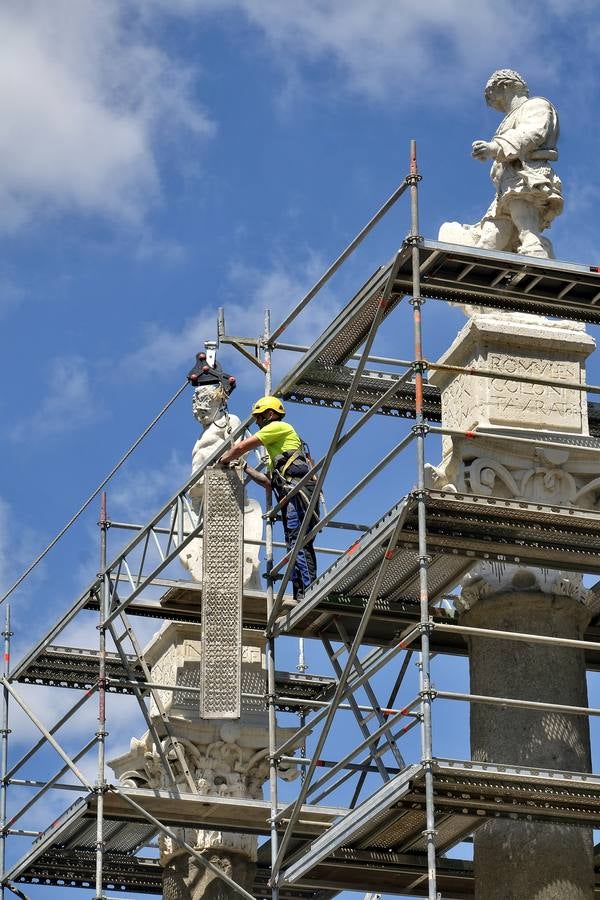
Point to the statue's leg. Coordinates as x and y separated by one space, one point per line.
526 217
496 234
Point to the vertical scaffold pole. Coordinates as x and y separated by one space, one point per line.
7 634
420 430
101 733
270 646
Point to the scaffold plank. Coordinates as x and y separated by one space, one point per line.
509 281
377 845
461 528
328 387
126 831
465 795
72 667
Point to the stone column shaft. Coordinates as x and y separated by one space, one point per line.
518 860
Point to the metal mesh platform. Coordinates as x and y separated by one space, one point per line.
503 280
328 386
70 667
460 529
64 854
510 281
377 854
465 795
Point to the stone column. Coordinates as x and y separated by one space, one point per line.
226 757
527 859
516 860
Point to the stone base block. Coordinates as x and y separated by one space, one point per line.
185 879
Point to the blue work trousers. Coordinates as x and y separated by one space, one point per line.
305 567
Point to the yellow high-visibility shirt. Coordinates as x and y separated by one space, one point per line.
278 437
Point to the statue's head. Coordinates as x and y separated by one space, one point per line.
207 401
503 83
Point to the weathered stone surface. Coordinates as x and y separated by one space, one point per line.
533 347
514 860
185 878
519 346
222 591
227 758
210 411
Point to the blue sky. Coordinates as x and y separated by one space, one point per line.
161 158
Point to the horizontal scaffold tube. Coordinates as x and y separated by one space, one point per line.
516 636
473 435
524 704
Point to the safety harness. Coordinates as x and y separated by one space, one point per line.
284 477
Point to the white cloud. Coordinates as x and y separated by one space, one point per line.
17 545
69 401
83 92
278 288
140 493
399 50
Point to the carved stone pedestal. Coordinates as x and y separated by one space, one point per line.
225 757
522 346
514 860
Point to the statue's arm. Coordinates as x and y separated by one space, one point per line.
483 150
535 128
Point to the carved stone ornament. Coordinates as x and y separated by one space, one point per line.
503 461
488 579
226 758
222 767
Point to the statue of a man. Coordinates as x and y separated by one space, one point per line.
528 191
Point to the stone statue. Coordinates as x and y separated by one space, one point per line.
528 191
209 406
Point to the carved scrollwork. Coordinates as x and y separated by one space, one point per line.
591 488
483 472
549 486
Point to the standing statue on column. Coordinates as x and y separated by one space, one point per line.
528 190
212 387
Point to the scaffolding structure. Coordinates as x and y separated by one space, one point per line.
376 598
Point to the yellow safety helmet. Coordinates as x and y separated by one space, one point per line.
265 403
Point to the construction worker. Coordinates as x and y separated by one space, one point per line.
288 462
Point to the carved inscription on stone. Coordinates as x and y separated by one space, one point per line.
514 347
546 406
460 406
